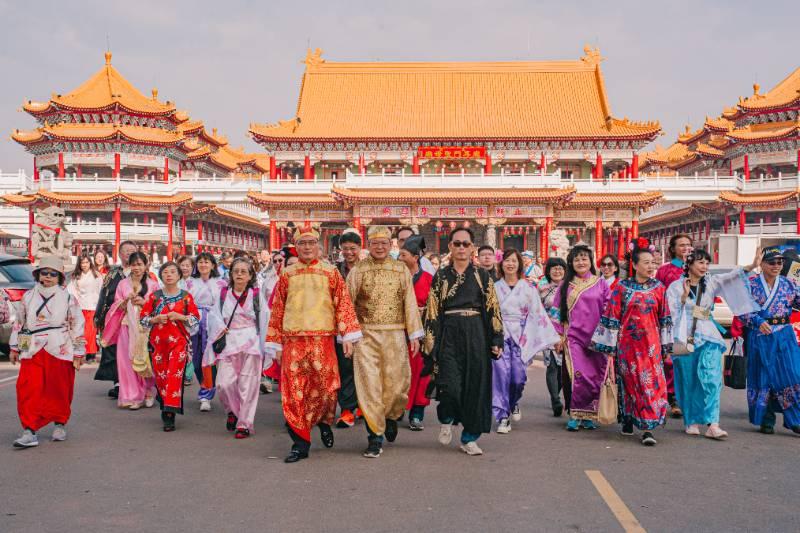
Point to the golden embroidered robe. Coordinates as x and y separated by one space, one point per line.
386 306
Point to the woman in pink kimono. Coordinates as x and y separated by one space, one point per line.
527 330
239 314
123 328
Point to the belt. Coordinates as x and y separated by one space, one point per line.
462 312
777 321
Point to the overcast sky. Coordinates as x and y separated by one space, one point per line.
235 62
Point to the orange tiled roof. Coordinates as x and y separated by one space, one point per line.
104 90
702 210
298 201
768 130
783 94
466 196
97 198
237 216
98 132
674 156
719 124
765 199
709 151
644 199
688 136
501 100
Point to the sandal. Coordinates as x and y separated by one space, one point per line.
717 433
693 429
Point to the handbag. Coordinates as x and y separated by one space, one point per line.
679 348
735 369
219 344
608 406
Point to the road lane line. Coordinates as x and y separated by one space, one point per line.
10 378
621 512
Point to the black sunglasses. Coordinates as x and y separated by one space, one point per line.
606 264
774 262
461 244
48 273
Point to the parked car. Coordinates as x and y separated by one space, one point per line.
15 278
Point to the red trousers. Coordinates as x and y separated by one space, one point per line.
45 386
90 332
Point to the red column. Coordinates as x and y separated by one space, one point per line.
180 171
487 169
635 229
415 165
627 241
117 230
35 170
199 235
273 235
307 168
30 234
542 163
116 165
598 167
183 233
166 169
798 162
620 243
79 171
169 235
598 239
741 221
746 167
798 217
727 223
61 165
548 227
362 166
635 166
273 168
708 231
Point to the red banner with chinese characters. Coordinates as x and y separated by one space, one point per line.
451 152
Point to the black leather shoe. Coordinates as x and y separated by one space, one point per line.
391 430
169 421
558 410
294 456
113 392
326 435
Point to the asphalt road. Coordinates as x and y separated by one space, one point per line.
119 472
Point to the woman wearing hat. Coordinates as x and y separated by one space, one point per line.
47 339
773 362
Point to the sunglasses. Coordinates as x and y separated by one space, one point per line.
606 264
48 273
773 262
277 261
461 244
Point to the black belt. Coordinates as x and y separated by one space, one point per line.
777 321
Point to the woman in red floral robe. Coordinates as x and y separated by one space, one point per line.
172 315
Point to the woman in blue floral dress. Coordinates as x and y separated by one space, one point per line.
636 328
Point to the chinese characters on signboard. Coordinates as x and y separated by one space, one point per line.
451 152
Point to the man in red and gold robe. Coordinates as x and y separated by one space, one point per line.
311 309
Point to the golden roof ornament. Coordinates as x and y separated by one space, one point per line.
314 58
108 58
155 93
756 88
592 56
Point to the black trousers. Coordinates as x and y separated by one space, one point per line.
554 380
299 443
347 393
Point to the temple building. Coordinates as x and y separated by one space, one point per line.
431 145
757 141
115 160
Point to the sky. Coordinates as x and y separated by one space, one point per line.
236 62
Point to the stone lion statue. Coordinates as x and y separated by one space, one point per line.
558 238
50 235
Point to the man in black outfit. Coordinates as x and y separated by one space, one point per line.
350 244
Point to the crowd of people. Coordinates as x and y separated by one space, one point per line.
384 327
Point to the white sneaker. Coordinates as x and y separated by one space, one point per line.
516 414
693 429
471 448
149 401
59 433
205 406
135 406
446 434
27 440
504 426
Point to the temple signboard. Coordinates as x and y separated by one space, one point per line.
451 152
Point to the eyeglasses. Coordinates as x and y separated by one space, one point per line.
306 243
773 262
461 244
606 264
48 273
277 261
